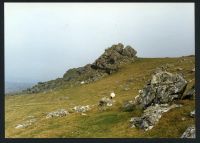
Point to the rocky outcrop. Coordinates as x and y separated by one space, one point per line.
151 116
189 132
109 61
164 87
106 64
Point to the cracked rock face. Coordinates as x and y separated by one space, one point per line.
151 116
189 132
164 87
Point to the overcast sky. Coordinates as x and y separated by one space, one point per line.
43 40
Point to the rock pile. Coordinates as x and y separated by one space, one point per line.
151 116
106 64
58 113
189 132
164 87
156 98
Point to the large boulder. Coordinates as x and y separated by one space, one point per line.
164 87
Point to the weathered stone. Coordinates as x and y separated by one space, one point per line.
26 124
189 132
164 87
151 116
81 109
58 113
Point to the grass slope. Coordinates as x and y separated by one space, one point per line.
103 124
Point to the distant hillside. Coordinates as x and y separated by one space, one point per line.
12 87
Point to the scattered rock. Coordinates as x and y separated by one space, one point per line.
192 114
183 118
25 124
128 106
164 87
189 132
58 113
151 116
81 109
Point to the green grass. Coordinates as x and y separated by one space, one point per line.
110 123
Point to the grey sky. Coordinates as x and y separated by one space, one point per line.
43 40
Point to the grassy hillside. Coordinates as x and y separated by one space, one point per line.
110 123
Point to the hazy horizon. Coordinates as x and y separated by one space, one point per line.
44 40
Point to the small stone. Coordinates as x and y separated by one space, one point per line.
192 114
183 118
189 132
82 82
19 126
193 70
